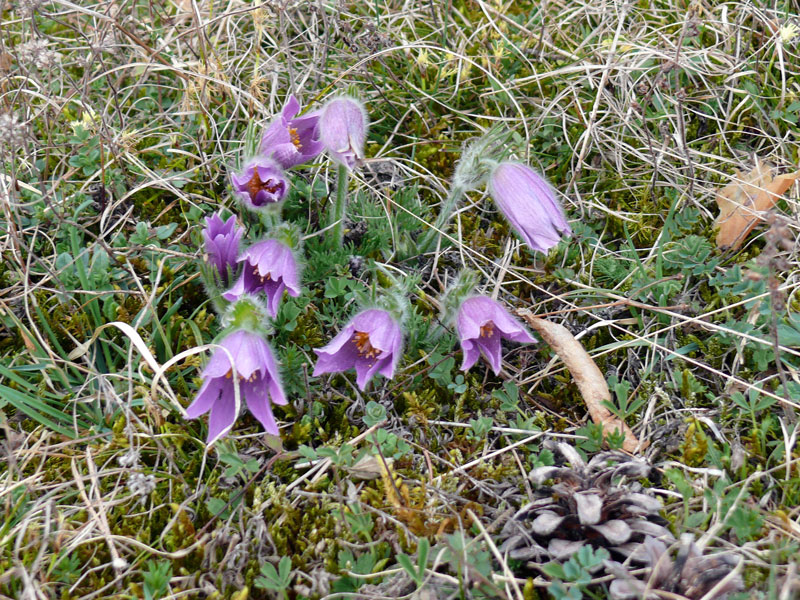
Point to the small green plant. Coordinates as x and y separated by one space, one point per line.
67 569
360 522
374 414
276 580
508 397
156 579
625 405
237 466
479 428
391 445
416 572
88 157
570 579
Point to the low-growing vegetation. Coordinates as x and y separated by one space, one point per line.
357 347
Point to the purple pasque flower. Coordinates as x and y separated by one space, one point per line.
259 384
371 343
482 324
292 140
260 183
222 243
269 267
343 130
529 204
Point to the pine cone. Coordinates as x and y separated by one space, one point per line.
586 507
691 574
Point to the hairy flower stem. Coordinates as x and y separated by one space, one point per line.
270 219
431 236
340 208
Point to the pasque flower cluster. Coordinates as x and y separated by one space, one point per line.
247 284
243 370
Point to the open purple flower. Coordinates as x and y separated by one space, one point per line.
269 267
289 140
529 204
482 324
371 343
259 384
260 183
222 243
343 130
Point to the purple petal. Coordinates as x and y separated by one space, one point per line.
291 108
336 344
383 330
274 292
208 394
247 350
387 365
365 370
237 291
257 396
223 415
336 361
490 346
471 354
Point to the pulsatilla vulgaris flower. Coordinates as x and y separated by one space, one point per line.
259 384
371 343
269 267
222 243
292 140
260 183
343 129
529 204
482 324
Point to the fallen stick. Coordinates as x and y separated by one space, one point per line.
590 380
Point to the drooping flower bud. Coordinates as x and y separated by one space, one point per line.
261 183
529 204
343 130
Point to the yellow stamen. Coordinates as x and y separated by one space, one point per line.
365 348
295 138
229 375
487 329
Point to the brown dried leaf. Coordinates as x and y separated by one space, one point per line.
590 380
741 201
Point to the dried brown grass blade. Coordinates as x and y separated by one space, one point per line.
741 201
590 380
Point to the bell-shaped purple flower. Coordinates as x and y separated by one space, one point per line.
259 384
371 343
269 267
289 140
260 183
482 324
222 243
343 130
529 204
